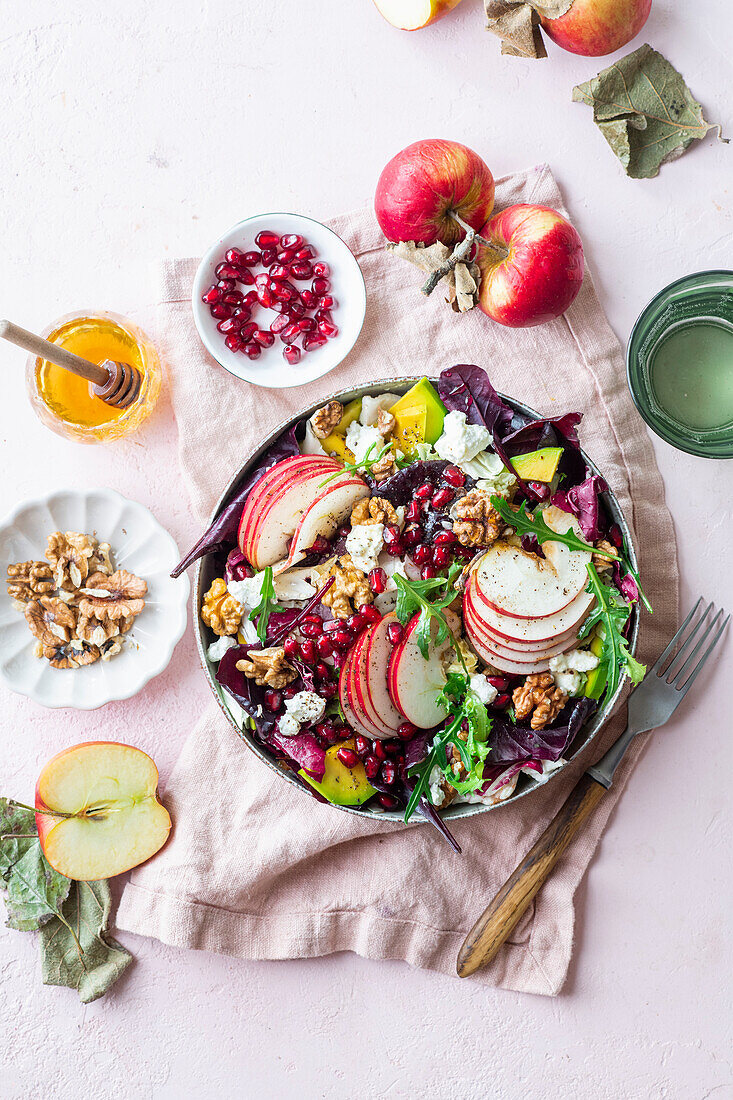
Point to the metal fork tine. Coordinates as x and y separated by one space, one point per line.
679 675
670 648
684 648
705 656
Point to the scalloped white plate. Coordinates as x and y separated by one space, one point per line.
139 544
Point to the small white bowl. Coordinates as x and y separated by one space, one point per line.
347 286
140 545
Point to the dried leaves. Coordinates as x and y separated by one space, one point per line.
517 24
462 280
645 111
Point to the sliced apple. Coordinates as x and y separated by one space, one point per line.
353 712
414 682
104 816
518 651
549 628
360 697
323 515
506 664
372 664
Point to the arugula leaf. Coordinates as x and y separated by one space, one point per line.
362 467
267 604
414 597
612 612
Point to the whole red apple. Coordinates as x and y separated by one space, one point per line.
421 186
412 15
536 270
597 27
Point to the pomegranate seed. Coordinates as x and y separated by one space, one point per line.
324 646
267 239
321 269
226 271
247 331
377 581
394 633
422 555
379 751
291 647
394 749
291 354
290 332
286 256
234 256
233 298
292 240
442 497
424 491
313 340
356 622
252 350
296 310
341 639
242 313
395 549
289 692
308 651
273 700
332 625
306 324
245 276
324 315
307 252
226 284
264 339
326 730
348 757
370 613
302 269
391 533
326 301
280 323
441 557
540 489
339 659
411 534
284 292
407 731
250 299
328 689
327 329
362 745
265 297
428 572
311 629
414 511
280 271
251 259
319 287
212 295
234 341
221 312
230 325
262 279
387 801
308 298
388 773
501 701
454 476
444 538
371 767
499 682
269 256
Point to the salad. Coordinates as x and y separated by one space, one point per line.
419 599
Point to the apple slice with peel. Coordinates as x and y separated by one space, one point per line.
323 515
506 664
353 712
550 627
372 665
361 699
523 650
414 682
268 489
520 584
413 15
523 656
97 810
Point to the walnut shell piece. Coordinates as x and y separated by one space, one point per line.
326 419
475 520
350 587
268 667
220 611
373 510
29 579
51 621
539 697
117 596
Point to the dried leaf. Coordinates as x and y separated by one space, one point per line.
462 281
517 23
645 111
79 953
34 892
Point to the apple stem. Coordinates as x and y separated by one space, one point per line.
460 253
94 812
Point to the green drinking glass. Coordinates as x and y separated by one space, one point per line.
679 364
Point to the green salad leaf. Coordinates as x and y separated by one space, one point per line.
430 598
612 612
267 604
364 466
34 892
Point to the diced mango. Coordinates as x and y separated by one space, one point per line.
538 465
341 785
419 414
335 442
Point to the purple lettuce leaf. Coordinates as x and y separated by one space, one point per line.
626 585
511 744
400 487
223 531
585 503
553 431
303 750
236 567
466 388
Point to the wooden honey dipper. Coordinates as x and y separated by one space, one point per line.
117 384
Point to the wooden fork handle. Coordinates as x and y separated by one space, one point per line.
499 920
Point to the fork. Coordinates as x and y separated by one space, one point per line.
651 705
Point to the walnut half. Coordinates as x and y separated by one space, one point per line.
268 667
326 419
539 697
475 520
30 579
51 621
220 610
350 587
373 510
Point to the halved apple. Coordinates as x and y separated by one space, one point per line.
99 813
414 682
550 628
323 515
413 15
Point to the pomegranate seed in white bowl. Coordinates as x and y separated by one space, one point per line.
279 300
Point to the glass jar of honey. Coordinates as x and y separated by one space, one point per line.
65 402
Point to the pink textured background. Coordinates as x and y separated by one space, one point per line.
124 157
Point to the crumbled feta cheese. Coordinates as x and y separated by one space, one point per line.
247 592
569 682
566 669
481 687
306 706
293 585
359 439
217 649
288 726
436 790
370 407
460 440
311 444
365 543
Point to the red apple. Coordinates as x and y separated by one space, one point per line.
597 27
412 15
537 270
421 186
104 816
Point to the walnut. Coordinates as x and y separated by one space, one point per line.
603 564
384 468
29 579
373 510
538 696
268 667
327 418
350 584
110 648
475 520
97 631
69 554
386 423
51 621
220 610
101 559
113 597
72 655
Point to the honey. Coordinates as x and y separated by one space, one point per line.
66 403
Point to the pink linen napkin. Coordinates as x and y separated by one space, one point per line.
258 870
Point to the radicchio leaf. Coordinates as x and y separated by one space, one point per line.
287 626
400 487
236 567
511 744
304 750
223 531
626 585
584 502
